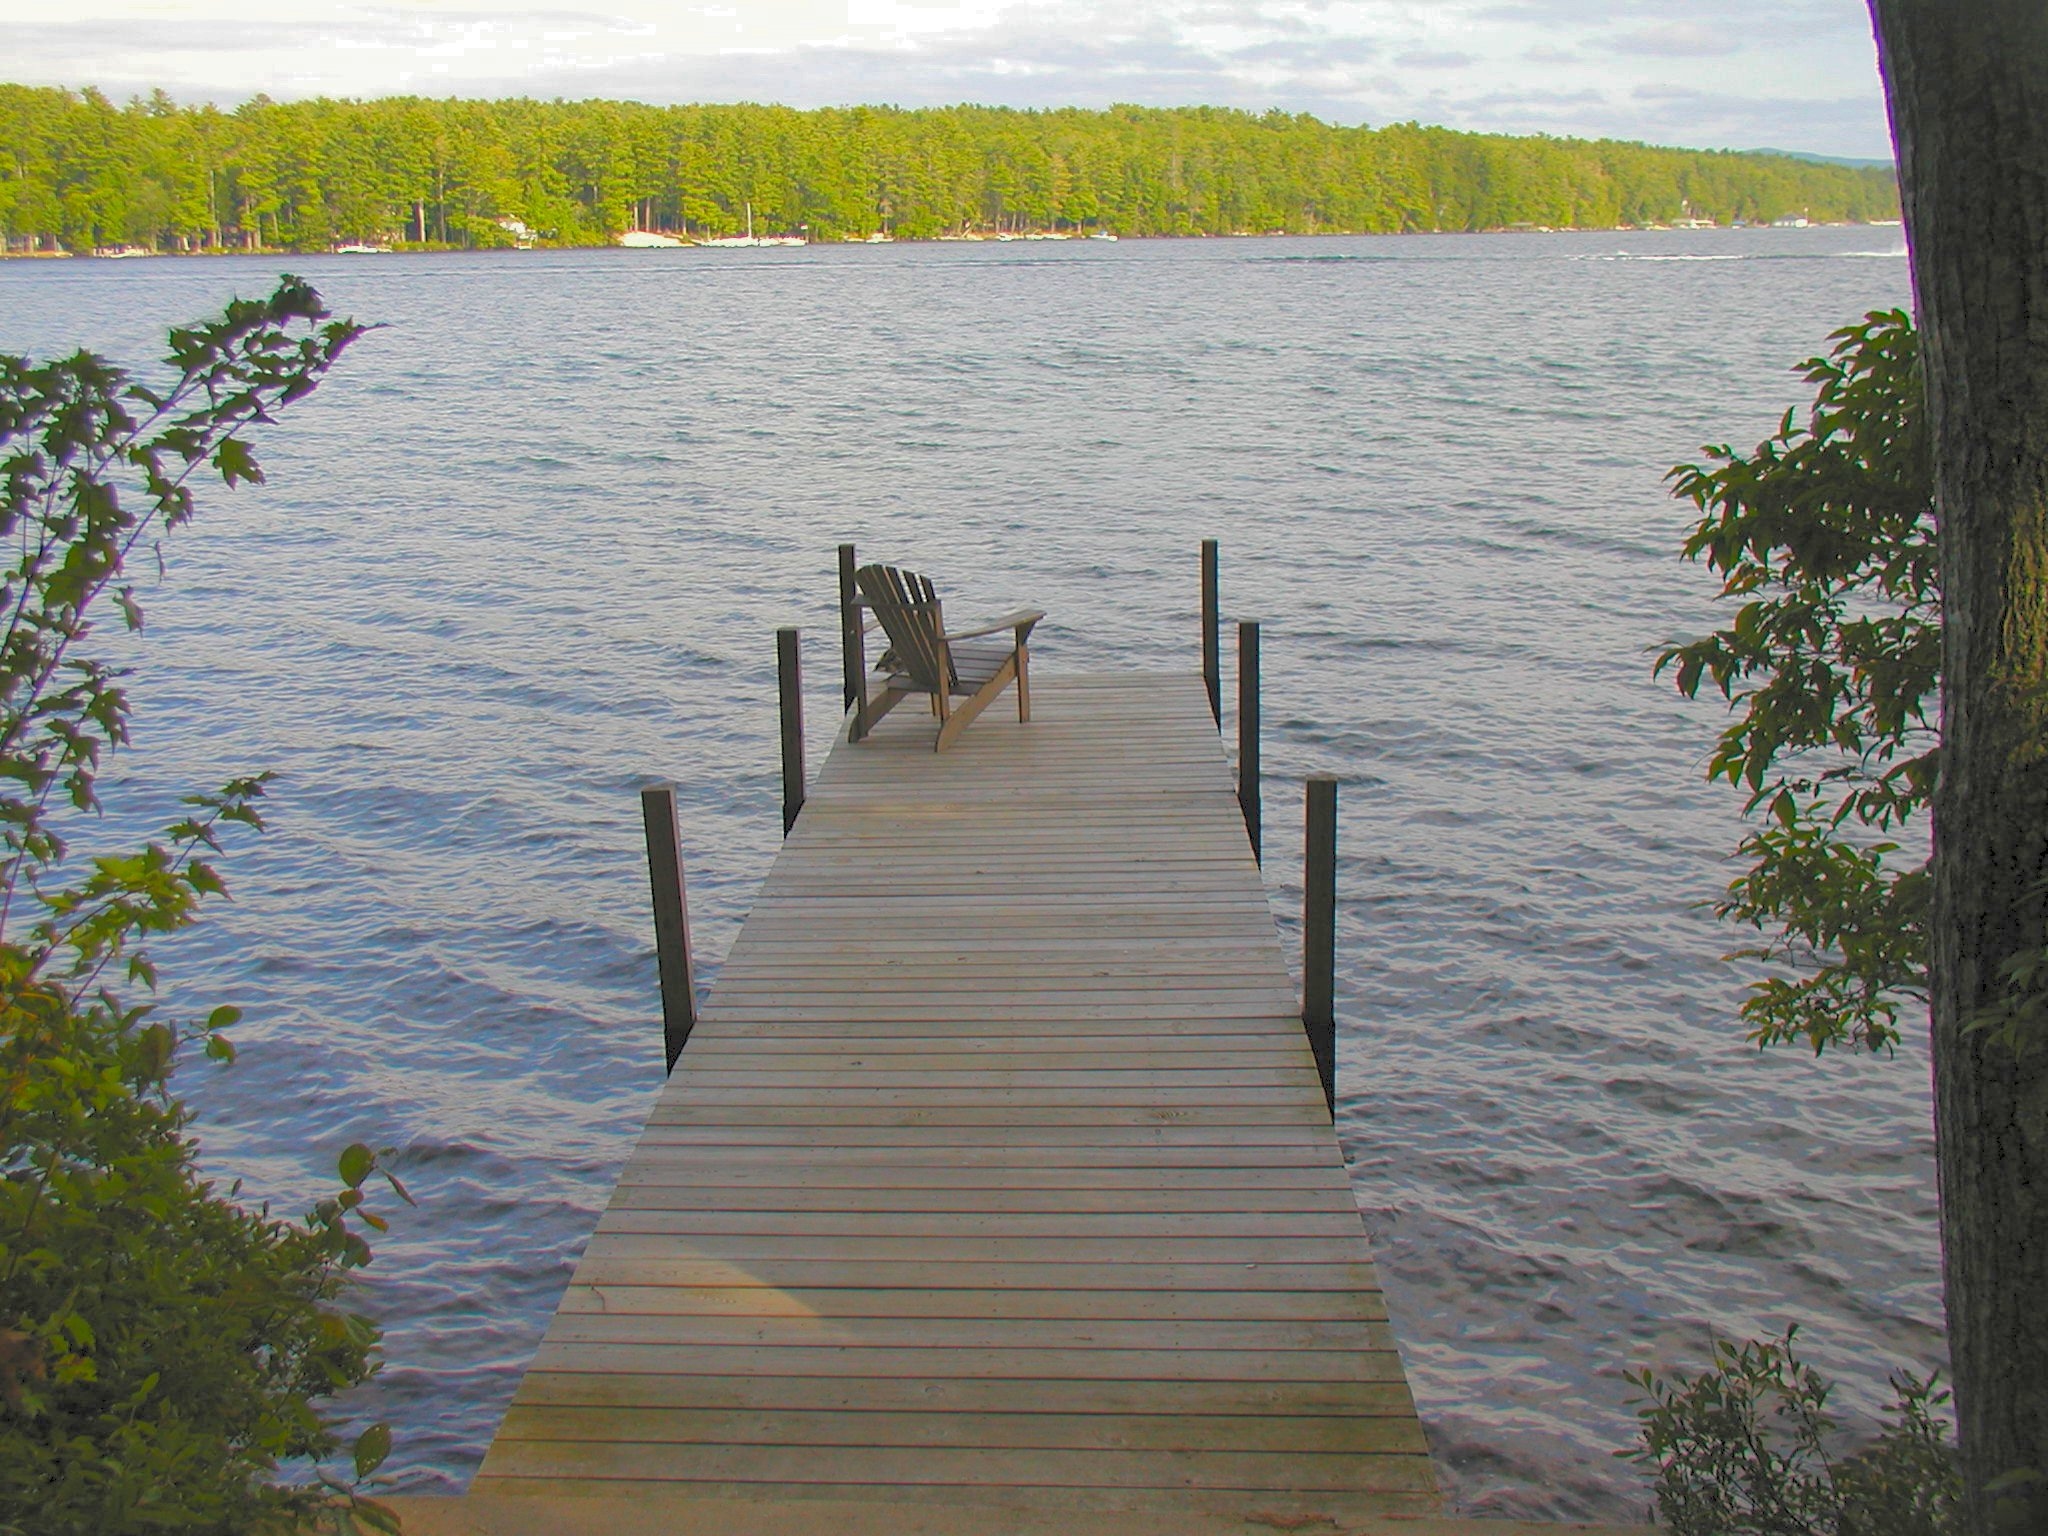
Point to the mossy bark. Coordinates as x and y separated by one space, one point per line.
1967 85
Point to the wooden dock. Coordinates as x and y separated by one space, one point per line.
997 1172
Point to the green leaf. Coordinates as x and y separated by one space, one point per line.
355 1164
372 1446
153 1050
235 462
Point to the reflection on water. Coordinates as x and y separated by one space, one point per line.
527 550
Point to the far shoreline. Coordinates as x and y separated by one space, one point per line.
685 242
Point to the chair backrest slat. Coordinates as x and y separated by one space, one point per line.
908 607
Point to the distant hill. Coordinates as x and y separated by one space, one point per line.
1854 165
79 172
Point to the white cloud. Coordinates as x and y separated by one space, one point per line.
1678 40
1798 73
1423 59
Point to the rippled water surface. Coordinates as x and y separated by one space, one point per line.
526 550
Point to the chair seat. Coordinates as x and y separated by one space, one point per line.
974 663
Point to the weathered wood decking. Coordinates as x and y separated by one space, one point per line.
997 1169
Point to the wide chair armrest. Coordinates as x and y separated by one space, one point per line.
1022 619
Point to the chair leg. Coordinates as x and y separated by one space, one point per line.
1023 685
964 715
859 717
872 710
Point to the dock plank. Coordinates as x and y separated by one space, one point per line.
996 1166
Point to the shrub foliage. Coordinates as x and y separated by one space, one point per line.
1748 1448
162 1344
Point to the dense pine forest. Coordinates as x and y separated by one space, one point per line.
78 172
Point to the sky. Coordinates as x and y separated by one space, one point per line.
1716 74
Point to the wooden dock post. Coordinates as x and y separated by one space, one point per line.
789 685
1212 649
1319 932
852 644
671 919
1248 732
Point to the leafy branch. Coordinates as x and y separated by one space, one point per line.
86 479
1825 533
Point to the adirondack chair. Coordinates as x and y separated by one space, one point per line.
923 657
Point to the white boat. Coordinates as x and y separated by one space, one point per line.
650 240
729 242
121 252
358 249
1102 234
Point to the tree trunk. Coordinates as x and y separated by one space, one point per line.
1967 85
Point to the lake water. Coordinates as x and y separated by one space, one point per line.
527 550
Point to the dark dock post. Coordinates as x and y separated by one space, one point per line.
1319 932
1248 733
671 919
789 683
1212 649
852 643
